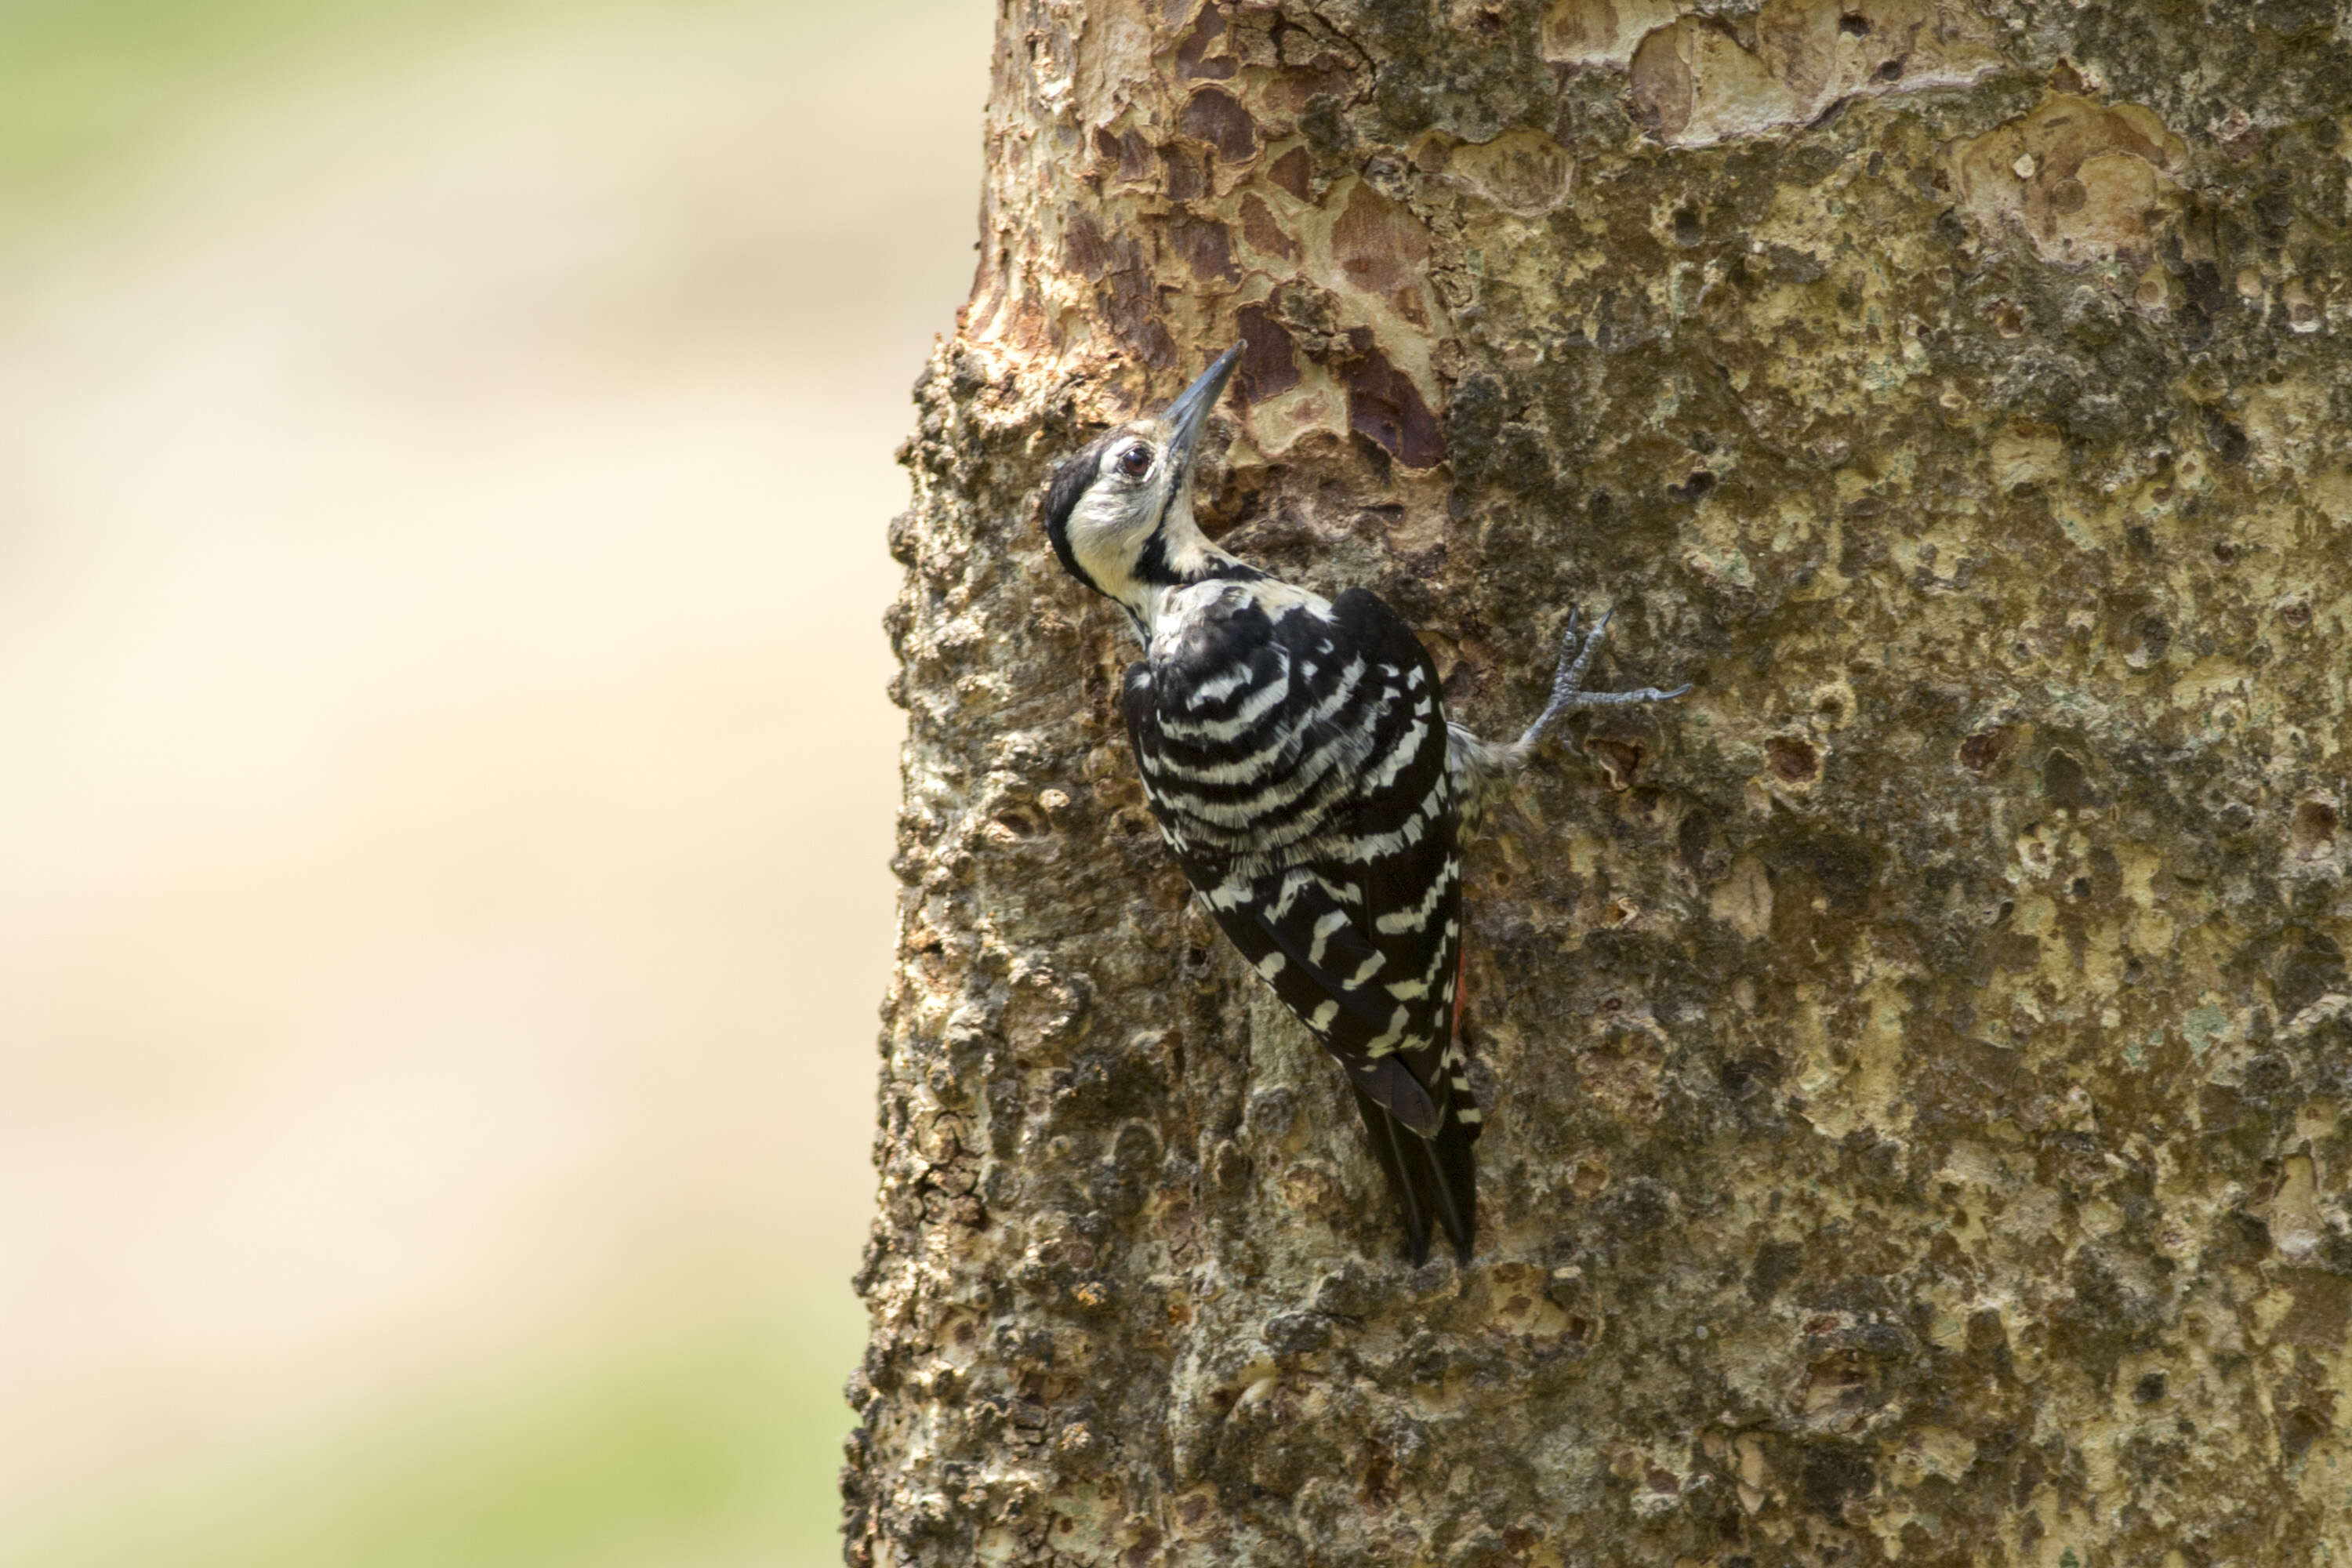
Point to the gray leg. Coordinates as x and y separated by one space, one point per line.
1568 692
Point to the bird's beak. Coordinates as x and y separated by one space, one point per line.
1189 413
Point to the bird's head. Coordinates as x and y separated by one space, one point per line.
1119 512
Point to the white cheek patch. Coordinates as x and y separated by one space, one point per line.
1108 534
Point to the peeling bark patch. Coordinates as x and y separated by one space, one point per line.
1207 245
1386 408
2085 182
1213 116
1084 248
1131 306
1693 83
1380 248
1201 55
1600 32
1666 68
1261 231
1291 172
1522 171
1185 177
1128 153
1269 364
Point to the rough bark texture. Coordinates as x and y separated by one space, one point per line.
1916 1063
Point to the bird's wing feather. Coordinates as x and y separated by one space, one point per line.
1356 925
1357 928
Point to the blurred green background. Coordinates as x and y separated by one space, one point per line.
444 778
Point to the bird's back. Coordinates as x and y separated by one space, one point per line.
1295 753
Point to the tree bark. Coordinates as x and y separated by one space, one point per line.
1916 1064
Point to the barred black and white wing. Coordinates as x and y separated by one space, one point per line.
1295 756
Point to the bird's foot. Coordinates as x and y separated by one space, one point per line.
1568 692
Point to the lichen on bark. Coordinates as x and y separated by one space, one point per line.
1916 1062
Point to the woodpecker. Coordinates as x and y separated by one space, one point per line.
1298 755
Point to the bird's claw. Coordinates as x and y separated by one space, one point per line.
1568 693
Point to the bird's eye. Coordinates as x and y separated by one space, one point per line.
1134 462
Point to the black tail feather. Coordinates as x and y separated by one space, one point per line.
1431 1177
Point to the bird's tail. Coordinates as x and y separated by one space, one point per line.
1436 1179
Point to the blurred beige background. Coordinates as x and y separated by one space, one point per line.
446 783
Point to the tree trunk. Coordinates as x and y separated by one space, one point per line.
1915 1063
